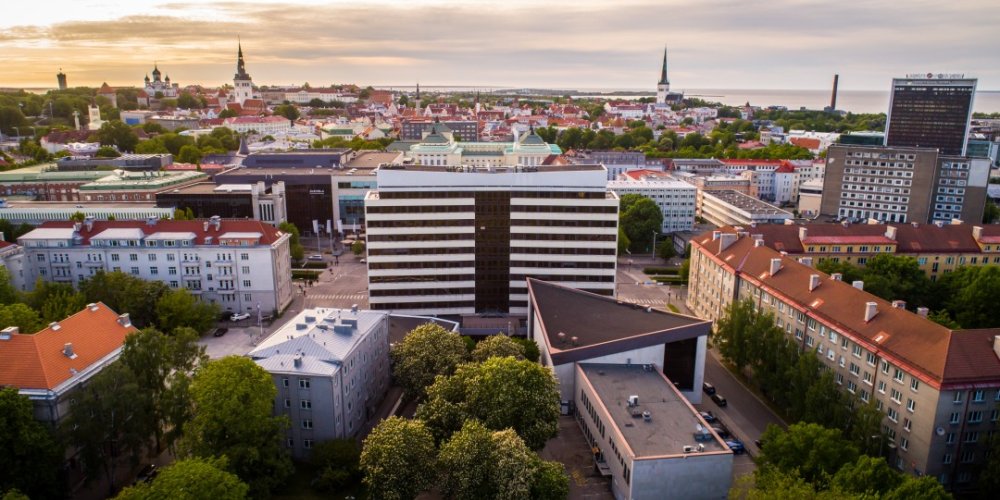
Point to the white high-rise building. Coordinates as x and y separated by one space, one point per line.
463 240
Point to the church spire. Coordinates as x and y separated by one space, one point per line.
663 72
241 72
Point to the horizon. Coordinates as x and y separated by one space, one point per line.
580 45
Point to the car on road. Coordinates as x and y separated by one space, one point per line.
708 416
218 332
315 257
736 445
719 400
239 316
708 388
721 431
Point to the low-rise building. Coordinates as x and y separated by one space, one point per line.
229 201
331 368
38 212
810 198
45 183
676 200
12 258
938 388
136 186
242 265
724 208
130 162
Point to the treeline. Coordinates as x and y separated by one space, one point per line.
821 121
963 298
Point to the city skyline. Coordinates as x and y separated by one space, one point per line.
786 44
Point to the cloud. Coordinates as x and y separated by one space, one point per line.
589 44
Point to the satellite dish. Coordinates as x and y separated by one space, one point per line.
940 431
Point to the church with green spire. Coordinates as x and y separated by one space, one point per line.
664 97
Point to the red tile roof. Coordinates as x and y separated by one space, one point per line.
910 239
805 142
270 234
37 361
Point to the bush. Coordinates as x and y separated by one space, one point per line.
313 265
301 274
672 280
661 270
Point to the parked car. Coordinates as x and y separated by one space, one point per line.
736 445
239 316
708 388
721 431
708 416
220 332
147 474
315 257
719 400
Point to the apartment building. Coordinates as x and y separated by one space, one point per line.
938 248
903 184
676 199
242 265
331 368
939 388
462 240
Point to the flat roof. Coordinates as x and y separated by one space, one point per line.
746 202
372 159
576 167
66 205
673 422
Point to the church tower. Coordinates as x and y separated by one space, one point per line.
242 85
663 87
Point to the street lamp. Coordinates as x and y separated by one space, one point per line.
260 322
654 247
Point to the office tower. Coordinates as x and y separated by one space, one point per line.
931 111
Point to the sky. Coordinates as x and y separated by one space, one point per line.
578 44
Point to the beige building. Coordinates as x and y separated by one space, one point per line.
732 207
938 388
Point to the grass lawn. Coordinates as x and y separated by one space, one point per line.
673 308
298 488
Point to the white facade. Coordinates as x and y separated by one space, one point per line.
724 208
240 265
439 148
267 125
676 200
427 227
12 258
331 368
810 198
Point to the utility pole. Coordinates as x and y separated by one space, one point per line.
654 247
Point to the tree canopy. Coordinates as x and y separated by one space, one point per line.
497 346
426 352
398 459
190 479
640 218
31 458
479 463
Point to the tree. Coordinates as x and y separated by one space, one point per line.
8 293
501 393
849 273
815 451
126 294
531 352
189 154
188 101
118 134
397 458
989 477
623 242
666 250
193 478
991 212
107 422
734 332
868 476
337 462
179 308
478 463
358 247
969 294
287 110
919 488
550 481
295 246
31 458
162 366
107 152
21 316
498 345
227 113
426 352
62 304
232 400
78 216
640 218
895 277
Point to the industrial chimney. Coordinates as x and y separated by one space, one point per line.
833 97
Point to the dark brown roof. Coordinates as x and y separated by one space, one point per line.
909 340
269 233
603 325
910 238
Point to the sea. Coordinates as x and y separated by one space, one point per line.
855 101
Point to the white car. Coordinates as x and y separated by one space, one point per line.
315 257
239 316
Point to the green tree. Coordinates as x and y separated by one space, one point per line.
969 294
849 273
895 277
162 365
118 134
21 316
8 293
107 423
815 451
531 352
501 393
665 250
62 304
868 476
989 477
288 111
107 152
180 308
189 154
227 113
426 352
991 213
734 332
78 216
193 478
640 218
397 459
232 399
623 242
295 246
188 101
918 488
550 481
337 462
31 458
498 345
125 294
358 247
479 463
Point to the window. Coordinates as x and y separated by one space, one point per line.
958 397
851 386
114 257
870 358
154 271
968 456
246 269
134 270
971 437
305 404
892 414
844 342
956 417
907 424
949 438
911 405
975 417
946 459
855 369
244 256
895 395
171 257
904 443
288 403
284 382
885 367
134 257
246 283
881 386
290 442
994 415
914 384
856 350
840 379
977 396
868 378
172 271
307 443
307 424
303 383
898 375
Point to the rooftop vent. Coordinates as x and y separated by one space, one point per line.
68 350
803 233
890 232
297 361
561 336
813 281
54 326
8 332
775 265
124 320
977 232
758 243
899 304
922 311
92 306
575 340
354 308
860 285
837 277
871 309
806 261
633 400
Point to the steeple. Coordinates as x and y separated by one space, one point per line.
663 72
241 72
156 72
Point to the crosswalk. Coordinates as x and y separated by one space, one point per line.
339 296
645 302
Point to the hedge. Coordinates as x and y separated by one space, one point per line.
669 279
661 270
304 274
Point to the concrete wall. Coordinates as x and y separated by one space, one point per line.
693 476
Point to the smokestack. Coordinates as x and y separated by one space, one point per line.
813 281
871 309
860 285
775 266
922 312
833 97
